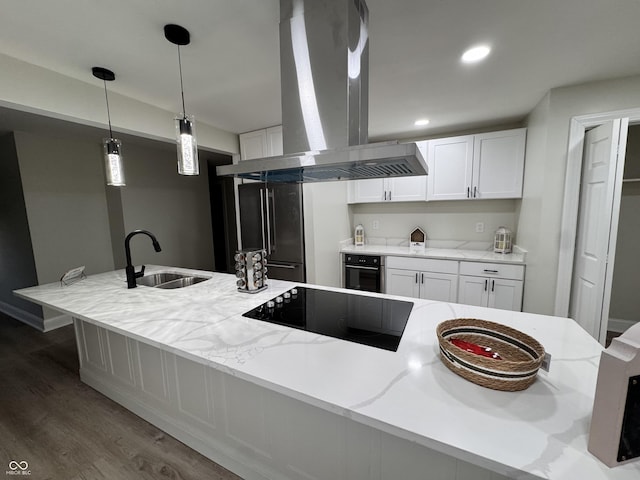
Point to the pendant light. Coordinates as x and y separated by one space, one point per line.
185 127
112 148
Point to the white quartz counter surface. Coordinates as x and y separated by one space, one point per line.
541 432
441 253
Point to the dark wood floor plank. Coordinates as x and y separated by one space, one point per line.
65 429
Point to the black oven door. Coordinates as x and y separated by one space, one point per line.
363 278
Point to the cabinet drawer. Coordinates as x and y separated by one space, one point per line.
501 270
423 264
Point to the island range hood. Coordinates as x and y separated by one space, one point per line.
324 68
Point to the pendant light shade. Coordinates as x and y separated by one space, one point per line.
111 147
185 126
187 146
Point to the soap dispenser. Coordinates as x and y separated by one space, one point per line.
359 236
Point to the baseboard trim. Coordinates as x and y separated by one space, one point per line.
23 316
619 325
57 322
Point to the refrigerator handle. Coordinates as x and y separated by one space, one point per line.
269 200
262 216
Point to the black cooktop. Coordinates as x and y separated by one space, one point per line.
374 321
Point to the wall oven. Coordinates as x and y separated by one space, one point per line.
363 272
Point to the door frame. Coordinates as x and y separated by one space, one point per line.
571 204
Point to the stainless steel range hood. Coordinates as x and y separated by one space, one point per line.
324 68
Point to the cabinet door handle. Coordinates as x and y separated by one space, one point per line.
490 271
468 192
475 191
385 195
389 195
422 278
493 285
485 285
416 277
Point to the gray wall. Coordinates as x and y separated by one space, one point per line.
58 213
17 265
540 221
174 208
64 194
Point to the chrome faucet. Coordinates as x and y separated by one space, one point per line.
130 269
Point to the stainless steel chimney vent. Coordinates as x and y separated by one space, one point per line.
324 67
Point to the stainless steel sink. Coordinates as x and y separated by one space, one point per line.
169 280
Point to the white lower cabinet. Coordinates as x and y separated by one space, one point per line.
253 431
491 285
482 284
422 278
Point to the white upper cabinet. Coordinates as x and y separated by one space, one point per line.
498 164
261 143
395 189
482 166
274 141
450 163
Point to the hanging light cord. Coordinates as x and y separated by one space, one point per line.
184 110
108 114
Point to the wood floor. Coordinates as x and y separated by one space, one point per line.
66 430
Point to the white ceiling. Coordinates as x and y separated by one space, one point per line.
231 68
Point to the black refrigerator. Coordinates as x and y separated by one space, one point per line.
271 218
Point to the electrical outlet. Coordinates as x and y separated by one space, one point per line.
375 224
480 227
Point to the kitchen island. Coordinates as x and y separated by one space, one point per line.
268 401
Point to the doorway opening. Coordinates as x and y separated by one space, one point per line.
624 310
223 214
598 301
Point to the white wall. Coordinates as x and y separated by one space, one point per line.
539 224
30 88
326 223
452 220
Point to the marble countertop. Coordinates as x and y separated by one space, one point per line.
541 432
439 253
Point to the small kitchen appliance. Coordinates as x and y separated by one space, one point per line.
374 321
614 435
358 236
251 270
363 272
503 240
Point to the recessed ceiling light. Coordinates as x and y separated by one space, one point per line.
475 54
421 122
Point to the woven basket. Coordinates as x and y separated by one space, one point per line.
521 355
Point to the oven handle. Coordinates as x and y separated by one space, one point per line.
359 267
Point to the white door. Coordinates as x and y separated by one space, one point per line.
450 163
505 294
595 227
473 290
407 189
498 164
367 191
442 287
402 282
253 145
